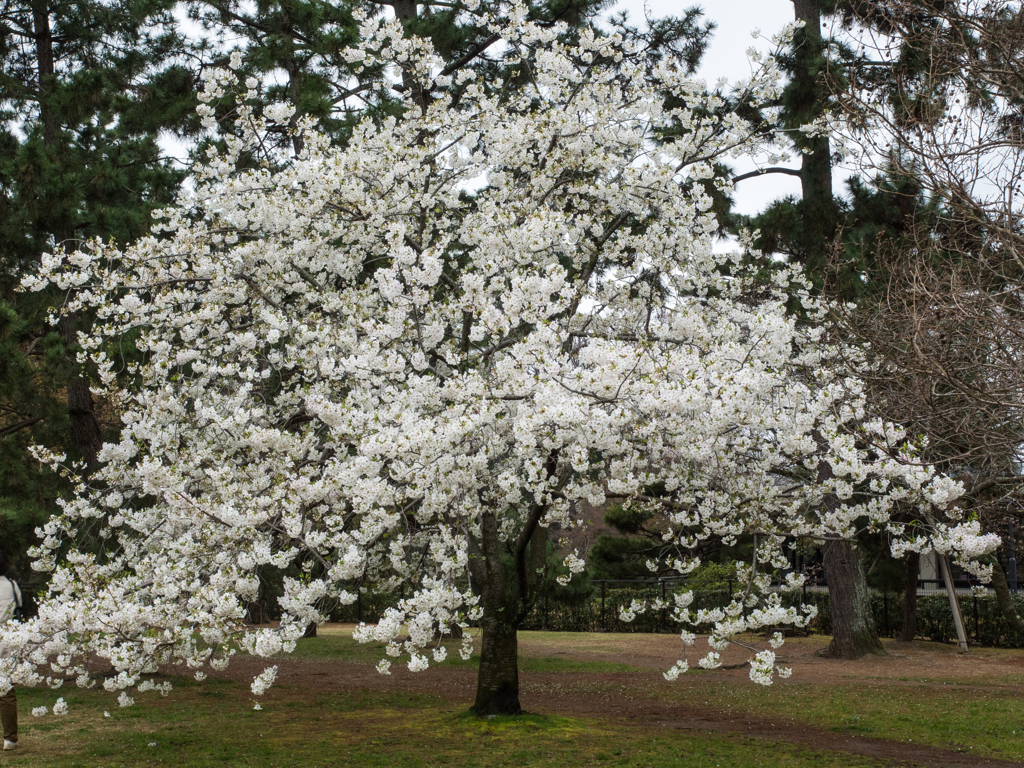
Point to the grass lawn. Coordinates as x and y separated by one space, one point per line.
211 727
214 723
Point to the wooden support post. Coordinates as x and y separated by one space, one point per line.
604 624
664 611
977 624
954 604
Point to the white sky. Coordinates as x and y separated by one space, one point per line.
726 57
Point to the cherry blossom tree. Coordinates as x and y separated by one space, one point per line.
391 364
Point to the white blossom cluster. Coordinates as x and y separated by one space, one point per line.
263 681
351 364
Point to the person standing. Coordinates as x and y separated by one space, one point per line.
10 601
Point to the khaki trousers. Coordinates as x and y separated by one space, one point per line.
9 715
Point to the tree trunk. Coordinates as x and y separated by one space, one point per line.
1003 599
497 683
84 425
818 210
910 599
853 624
45 69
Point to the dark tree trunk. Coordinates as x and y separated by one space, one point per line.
910 599
497 685
818 209
816 155
506 603
45 66
1003 600
405 10
84 425
538 558
853 624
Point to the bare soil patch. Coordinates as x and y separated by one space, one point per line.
644 699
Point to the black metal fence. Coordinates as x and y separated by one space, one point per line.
984 623
598 610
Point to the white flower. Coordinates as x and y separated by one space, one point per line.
124 700
261 684
677 669
711 661
278 113
39 711
761 667
60 707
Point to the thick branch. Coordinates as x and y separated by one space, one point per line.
763 171
19 426
532 519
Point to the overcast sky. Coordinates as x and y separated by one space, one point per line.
727 57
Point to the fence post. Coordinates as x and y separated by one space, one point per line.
885 608
359 607
604 624
545 610
664 612
977 625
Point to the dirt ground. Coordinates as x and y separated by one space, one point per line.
638 696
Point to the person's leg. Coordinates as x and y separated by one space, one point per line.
9 716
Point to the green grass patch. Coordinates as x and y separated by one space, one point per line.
981 719
214 724
295 730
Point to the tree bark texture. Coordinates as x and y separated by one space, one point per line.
85 427
497 685
45 67
807 100
853 624
910 598
1003 599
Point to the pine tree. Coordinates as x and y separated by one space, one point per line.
86 88
804 230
